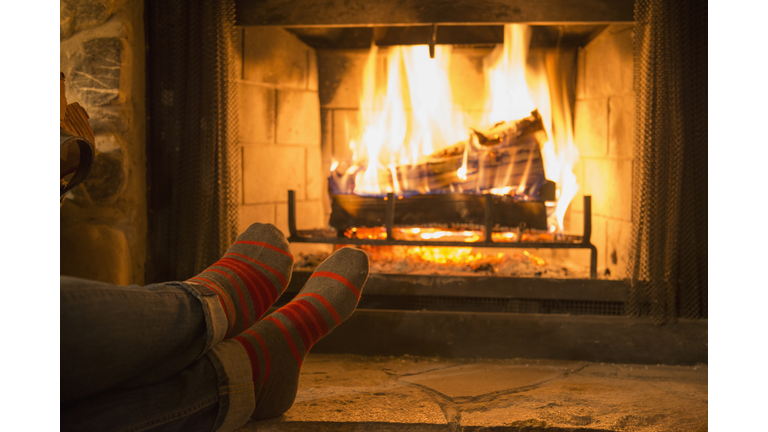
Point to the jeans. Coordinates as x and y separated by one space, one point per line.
148 358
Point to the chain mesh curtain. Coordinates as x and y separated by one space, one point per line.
192 154
668 261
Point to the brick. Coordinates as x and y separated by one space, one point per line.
609 182
598 238
621 126
275 56
625 44
312 78
237 42
326 135
619 242
250 214
581 65
577 203
573 222
257 114
467 80
591 127
270 171
316 174
345 128
309 215
340 74
298 117
605 65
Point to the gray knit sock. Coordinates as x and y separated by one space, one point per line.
250 276
277 345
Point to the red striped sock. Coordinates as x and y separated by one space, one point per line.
250 276
277 345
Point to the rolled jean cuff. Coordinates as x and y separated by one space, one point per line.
215 318
237 399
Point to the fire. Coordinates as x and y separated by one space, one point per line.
407 113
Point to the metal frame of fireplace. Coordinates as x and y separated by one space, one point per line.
389 217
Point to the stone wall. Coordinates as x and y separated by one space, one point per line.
604 134
103 221
280 131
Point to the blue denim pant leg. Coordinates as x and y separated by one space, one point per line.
132 336
188 401
215 393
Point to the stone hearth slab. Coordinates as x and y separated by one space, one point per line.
344 392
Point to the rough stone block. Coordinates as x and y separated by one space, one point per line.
270 171
275 56
591 127
619 242
108 177
609 182
96 252
340 73
316 174
345 128
467 79
606 64
95 71
257 114
78 15
250 214
621 126
298 117
309 215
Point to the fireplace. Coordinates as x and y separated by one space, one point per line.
300 79
284 62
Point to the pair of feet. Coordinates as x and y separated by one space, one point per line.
249 278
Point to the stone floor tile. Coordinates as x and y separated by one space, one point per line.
479 379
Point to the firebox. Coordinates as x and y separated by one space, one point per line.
482 159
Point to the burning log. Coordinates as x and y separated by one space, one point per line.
507 155
449 210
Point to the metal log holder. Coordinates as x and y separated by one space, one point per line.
389 217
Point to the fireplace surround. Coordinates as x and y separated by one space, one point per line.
290 65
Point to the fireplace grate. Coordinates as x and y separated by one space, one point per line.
389 218
484 304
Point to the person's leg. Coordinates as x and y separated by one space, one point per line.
134 336
250 276
187 401
266 359
253 375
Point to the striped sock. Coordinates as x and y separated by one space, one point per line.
277 345
250 276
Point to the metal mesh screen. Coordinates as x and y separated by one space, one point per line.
668 260
193 158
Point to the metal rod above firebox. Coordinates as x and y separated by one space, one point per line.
389 217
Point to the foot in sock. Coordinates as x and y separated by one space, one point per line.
277 345
250 276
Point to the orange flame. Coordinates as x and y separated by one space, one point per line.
407 113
